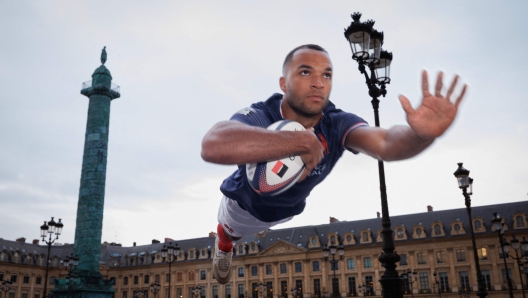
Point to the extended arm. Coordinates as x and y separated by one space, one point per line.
233 142
427 122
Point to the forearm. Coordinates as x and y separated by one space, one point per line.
401 142
231 142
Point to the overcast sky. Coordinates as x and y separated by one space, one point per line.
183 66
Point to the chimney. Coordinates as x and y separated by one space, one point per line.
154 241
134 244
21 240
168 239
429 208
36 241
212 234
378 214
333 220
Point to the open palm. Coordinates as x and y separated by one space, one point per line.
436 112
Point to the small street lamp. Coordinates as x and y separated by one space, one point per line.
524 252
155 288
411 277
139 294
332 250
51 228
261 288
196 291
465 182
437 283
365 43
169 254
70 263
6 286
362 289
505 246
295 292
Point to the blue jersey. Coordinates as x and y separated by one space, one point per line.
331 131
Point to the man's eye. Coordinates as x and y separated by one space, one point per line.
304 72
327 76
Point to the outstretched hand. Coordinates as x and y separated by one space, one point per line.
436 112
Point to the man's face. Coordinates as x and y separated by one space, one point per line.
307 82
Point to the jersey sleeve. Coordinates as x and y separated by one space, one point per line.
252 116
347 122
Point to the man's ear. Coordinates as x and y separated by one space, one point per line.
282 83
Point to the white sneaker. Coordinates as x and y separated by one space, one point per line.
222 264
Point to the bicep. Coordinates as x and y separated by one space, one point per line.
367 140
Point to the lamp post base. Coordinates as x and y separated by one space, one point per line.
84 287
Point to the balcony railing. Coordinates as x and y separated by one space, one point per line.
113 86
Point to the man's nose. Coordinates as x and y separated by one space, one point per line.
317 83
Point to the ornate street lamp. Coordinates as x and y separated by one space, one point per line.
524 251
49 229
497 224
6 286
464 181
261 288
295 292
365 43
332 250
169 254
70 263
437 283
411 277
196 291
155 288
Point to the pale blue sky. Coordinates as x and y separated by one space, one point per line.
183 66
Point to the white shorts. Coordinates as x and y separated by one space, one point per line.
237 222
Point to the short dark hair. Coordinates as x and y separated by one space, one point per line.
304 46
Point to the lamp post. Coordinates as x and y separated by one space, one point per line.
362 289
49 229
261 288
437 283
169 254
411 277
155 288
332 250
70 263
196 291
365 43
6 286
497 224
524 251
294 292
464 181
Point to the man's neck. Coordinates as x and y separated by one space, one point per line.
290 114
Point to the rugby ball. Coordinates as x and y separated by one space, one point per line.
273 177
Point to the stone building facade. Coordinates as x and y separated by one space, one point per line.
292 259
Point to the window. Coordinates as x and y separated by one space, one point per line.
202 293
403 259
299 287
315 266
253 247
13 278
461 255
370 285
203 253
444 282
352 286
269 271
227 289
464 280
367 262
477 225
419 232
504 277
167 293
157 278
519 221
179 276
400 233
146 279
298 267
349 238
1 276
203 275
254 271
421 258
215 292
482 253
282 268
38 280
424 281
241 249
269 289
240 271
437 230
441 257
24 294
26 279
191 254
332 239
136 280
284 289
314 241
52 280
37 294
179 292
124 294
167 278
456 227
191 275
241 291
486 279
365 237
351 264
317 287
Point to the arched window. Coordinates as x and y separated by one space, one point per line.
519 221
203 253
477 224
191 255
365 237
456 227
2 256
240 249
419 232
332 240
437 230
349 238
253 247
314 241
400 233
